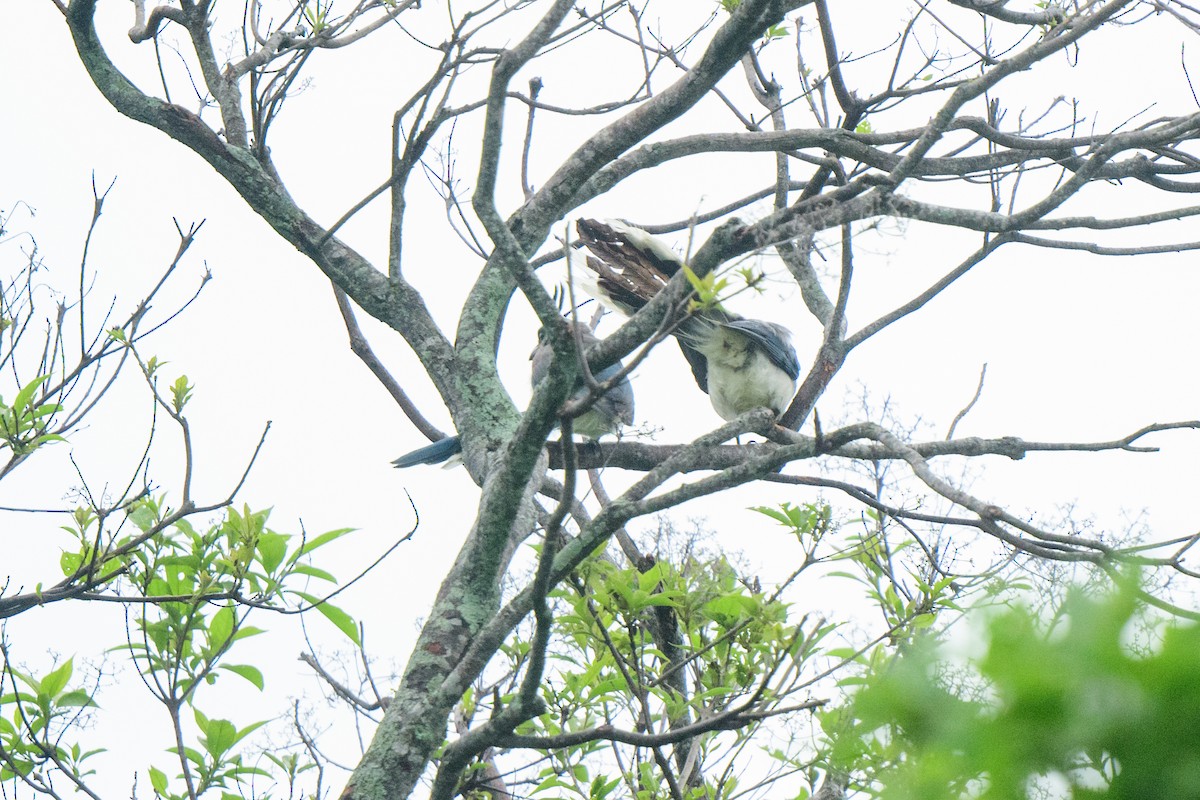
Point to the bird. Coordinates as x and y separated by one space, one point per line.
612 410
607 414
742 364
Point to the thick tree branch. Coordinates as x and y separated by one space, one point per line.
842 443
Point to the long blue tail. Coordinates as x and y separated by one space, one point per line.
436 453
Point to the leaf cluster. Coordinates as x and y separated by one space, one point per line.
35 712
1101 705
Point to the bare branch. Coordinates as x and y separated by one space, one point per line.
967 408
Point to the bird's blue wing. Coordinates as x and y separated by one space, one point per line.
609 412
610 371
774 341
617 403
436 453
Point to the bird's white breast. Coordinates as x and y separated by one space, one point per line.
760 384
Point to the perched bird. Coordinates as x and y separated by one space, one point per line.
606 415
741 364
611 411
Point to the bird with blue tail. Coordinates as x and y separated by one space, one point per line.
443 451
742 364
608 414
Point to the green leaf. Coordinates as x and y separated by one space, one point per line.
70 563
158 781
922 621
553 782
246 731
193 755
220 735
775 514
344 622
220 628
320 541
143 514
76 697
272 547
45 410
250 673
25 396
53 684
314 572
730 609
48 437
181 392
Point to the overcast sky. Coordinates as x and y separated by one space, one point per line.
1078 347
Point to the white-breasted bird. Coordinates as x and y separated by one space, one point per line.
740 363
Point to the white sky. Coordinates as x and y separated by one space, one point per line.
1078 347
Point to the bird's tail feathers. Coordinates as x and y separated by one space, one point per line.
442 451
595 283
628 266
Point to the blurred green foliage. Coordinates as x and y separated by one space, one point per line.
1103 703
